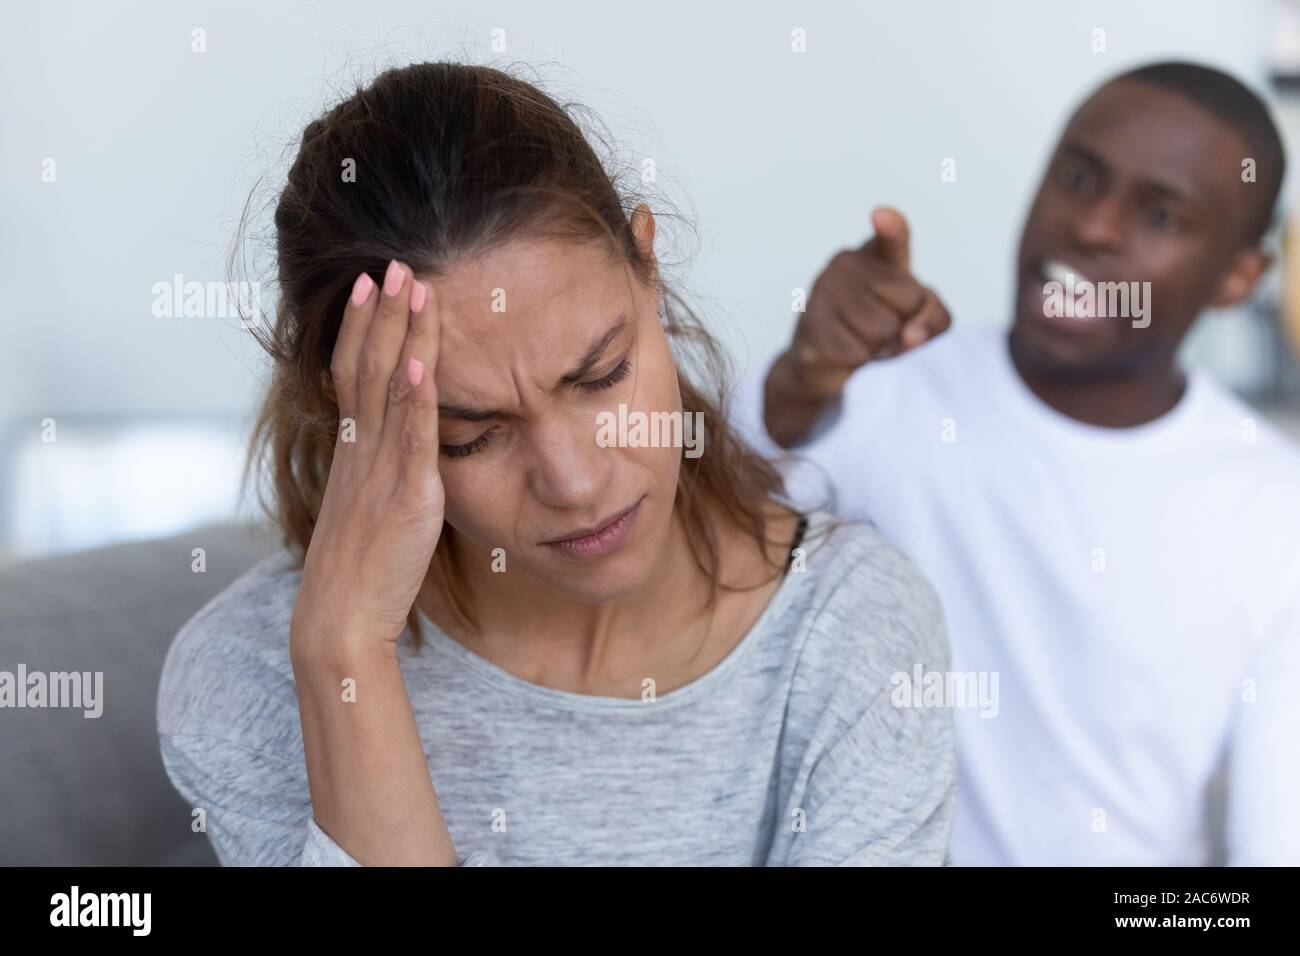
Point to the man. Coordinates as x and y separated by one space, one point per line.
1116 542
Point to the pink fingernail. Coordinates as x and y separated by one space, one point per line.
361 288
414 372
418 293
393 278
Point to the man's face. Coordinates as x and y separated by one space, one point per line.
1144 187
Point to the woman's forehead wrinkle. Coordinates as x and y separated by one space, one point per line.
461 387
517 320
528 382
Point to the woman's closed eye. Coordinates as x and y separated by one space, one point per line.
469 447
609 381
615 376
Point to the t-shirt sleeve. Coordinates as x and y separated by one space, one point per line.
882 795
1263 828
878 781
247 817
230 735
249 811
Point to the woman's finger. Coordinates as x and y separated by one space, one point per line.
379 354
414 440
404 381
357 314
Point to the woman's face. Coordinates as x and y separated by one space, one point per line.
539 337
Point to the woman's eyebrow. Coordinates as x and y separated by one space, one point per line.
466 413
595 352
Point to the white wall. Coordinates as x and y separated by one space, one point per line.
781 154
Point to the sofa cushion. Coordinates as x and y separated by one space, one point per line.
88 791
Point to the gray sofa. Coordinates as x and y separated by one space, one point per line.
80 791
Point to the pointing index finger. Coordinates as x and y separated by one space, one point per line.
891 243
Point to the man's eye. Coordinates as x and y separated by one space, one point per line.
1073 177
460 451
1161 217
610 380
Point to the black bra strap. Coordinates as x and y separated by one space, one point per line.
798 539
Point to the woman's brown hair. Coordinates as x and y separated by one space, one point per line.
429 164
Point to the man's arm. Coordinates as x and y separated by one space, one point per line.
865 305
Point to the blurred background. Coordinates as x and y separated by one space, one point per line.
134 139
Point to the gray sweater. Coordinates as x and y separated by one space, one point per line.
797 749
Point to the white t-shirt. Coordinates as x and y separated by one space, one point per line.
1134 592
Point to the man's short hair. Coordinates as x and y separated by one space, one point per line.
1235 104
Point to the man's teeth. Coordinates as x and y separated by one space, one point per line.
1074 285
1060 272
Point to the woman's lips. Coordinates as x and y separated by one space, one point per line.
601 542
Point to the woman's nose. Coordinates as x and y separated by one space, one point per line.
569 469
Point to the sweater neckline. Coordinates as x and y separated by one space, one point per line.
568 700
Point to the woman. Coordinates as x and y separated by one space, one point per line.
494 637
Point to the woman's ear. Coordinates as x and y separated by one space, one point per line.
643 230
1241 276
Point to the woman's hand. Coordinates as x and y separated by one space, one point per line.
379 522
383 506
